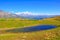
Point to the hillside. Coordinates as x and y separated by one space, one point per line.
18 22
7 22
53 34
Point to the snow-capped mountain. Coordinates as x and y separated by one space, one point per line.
24 15
32 16
7 14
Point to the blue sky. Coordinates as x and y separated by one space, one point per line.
34 6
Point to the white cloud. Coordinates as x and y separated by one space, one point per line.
27 13
30 13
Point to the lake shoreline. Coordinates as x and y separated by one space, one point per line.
33 28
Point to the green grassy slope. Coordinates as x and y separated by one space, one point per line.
52 34
17 22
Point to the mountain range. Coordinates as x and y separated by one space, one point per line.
4 14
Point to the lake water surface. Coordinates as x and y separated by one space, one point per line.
33 28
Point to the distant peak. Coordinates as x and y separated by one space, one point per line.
1 10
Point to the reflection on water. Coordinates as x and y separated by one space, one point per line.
33 28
